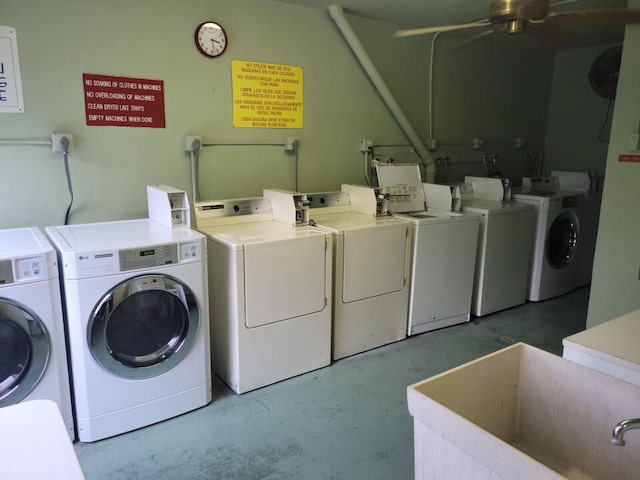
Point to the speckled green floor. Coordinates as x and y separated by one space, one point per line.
347 421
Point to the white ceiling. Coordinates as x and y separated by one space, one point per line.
428 13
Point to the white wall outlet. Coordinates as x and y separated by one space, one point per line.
366 145
192 143
477 144
632 141
291 144
57 142
432 144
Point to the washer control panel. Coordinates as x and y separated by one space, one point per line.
23 270
6 272
139 258
31 268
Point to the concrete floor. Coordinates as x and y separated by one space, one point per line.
345 421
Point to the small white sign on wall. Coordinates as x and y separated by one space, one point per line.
10 81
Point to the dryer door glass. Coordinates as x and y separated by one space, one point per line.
562 240
144 326
24 351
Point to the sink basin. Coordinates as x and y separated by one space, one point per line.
523 413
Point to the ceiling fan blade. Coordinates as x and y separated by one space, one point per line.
561 2
446 28
593 17
472 39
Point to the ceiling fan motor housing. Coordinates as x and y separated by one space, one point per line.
504 11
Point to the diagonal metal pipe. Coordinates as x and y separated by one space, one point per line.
338 16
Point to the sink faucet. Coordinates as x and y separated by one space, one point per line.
617 437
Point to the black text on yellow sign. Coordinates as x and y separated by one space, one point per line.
266 95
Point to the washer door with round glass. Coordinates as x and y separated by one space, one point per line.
144 326
562 240
24 351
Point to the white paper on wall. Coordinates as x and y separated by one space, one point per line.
11 100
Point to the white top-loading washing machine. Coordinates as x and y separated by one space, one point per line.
504 246
33 355
270 289
504 252
371 266
556 240
138 323
443 256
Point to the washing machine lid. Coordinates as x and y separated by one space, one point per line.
237 237
487 207
542 200
117 235
434 216
18 242
404 185
532 193
337 223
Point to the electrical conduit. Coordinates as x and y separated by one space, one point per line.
337 14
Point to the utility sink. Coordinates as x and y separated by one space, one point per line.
523 413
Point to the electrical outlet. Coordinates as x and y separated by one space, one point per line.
432 144
56 142
519 142
291 144
366 145
632 141
192 143
478 144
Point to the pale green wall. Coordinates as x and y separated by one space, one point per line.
615 288
576 116
59 41
493 89
487 90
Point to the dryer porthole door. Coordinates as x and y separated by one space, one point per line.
144 326
562 240
24 351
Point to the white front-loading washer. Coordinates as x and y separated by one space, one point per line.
33 355
556 240
585 183
137 319
270 290
443 252
371 267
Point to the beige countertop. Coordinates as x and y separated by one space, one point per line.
617 340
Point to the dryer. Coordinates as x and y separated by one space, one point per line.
371 267
137 318
444 247
33 355
270 290
556 240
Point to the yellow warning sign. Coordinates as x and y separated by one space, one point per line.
266 95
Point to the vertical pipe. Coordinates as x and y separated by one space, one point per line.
195 160
337 13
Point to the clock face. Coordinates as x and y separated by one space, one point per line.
211 39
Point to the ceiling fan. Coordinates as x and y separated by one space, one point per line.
517 16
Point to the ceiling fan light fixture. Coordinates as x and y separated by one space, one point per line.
515 27
503 11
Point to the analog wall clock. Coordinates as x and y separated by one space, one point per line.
211 39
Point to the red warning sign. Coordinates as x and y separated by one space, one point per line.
123 101
629 158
